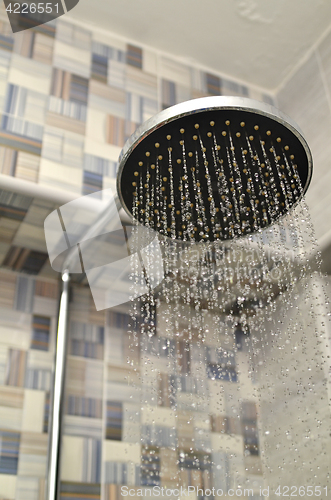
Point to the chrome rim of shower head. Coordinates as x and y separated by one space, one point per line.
214 168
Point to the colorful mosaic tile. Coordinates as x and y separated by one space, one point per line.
69 102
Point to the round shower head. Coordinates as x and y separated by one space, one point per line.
213 168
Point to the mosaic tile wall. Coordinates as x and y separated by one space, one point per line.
69 98
28 311
137 414
161 411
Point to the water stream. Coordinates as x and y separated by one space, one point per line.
233 341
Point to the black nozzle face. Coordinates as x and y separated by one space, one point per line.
214 174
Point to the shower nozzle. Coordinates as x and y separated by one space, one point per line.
213 168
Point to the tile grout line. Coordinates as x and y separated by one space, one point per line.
302 61
324 81
64 6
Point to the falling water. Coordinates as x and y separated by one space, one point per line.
231 350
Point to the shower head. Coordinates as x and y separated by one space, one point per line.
214 168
